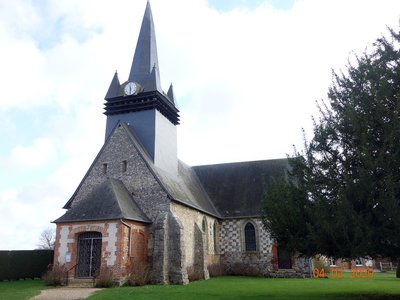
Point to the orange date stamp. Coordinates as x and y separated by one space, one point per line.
337 273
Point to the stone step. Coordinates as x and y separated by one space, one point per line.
81 282
287 273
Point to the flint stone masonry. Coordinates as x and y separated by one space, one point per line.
233 251
232 235
137 178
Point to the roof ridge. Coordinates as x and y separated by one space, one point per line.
241 162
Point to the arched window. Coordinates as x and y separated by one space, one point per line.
215 238
204 228
250 242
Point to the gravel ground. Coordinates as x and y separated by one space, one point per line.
65 293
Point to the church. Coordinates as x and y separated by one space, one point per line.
138 203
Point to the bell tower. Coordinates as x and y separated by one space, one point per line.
142 104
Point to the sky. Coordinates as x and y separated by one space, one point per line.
246 76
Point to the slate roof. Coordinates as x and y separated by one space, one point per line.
236 188
187 189
184 187
108 201
145 68
113 90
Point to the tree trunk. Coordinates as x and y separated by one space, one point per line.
398 269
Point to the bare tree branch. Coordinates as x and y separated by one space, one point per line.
47 239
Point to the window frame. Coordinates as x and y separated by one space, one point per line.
256 238
215 238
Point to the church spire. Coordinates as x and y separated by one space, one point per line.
144 69
171 95
114 87
141 103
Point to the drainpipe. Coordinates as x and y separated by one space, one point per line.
130 236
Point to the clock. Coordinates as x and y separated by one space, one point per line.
130 88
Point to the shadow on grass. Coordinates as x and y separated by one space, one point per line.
367 297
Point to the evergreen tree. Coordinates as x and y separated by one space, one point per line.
347 178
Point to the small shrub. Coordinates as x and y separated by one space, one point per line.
320 264
216 270
140 274
241 269
55 275
105 278
194 273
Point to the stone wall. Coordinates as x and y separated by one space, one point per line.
159 249
198 235
168 251
120 159
176 251
232 248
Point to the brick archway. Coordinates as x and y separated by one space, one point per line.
84 228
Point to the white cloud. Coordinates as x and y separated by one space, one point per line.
246 82
40 153
26 213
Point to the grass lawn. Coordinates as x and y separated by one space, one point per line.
381 287
20 289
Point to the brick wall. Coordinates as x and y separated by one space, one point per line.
120 241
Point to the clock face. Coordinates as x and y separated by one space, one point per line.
130 88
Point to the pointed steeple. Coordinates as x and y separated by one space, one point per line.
142 91
141 103
154 80
145 70
114 87
171 95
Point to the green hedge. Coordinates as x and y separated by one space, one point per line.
21 264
